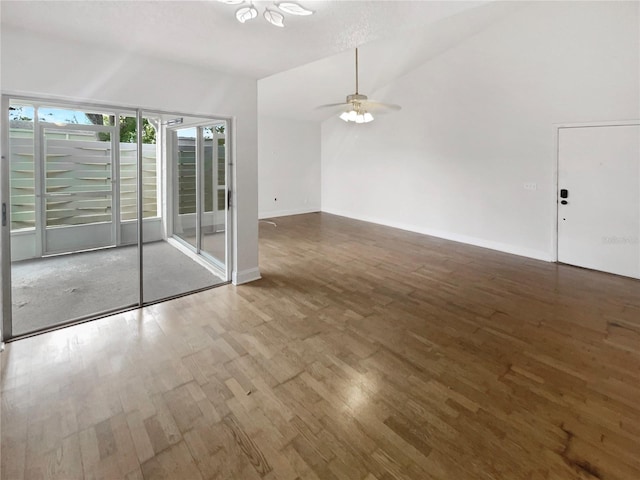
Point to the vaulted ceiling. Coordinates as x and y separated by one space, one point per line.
295 93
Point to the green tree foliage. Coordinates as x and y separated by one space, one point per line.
128 130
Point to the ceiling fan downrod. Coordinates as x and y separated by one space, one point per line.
356 70
356 98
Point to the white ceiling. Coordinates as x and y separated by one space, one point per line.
206 33
308 63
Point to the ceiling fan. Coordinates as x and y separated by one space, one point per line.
358 107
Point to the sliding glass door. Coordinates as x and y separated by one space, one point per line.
63 205
106 209
193 254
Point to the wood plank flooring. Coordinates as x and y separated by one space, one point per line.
364 353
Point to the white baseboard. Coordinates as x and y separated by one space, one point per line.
478 242
286 213
245 276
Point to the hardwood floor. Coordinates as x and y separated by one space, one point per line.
364 353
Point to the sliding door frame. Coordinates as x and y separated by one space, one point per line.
5 226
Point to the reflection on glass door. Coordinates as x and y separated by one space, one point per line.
200 190
192 253
184 148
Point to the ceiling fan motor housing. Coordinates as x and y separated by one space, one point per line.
356 97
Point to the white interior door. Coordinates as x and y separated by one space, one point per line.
599 198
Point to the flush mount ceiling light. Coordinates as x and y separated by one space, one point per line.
248 11
358 107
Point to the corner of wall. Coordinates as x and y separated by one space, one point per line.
245 276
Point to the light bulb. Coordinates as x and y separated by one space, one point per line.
368 117
344 116
353 115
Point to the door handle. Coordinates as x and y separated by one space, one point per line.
4 214
564 193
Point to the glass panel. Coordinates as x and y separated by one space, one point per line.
213 223
173 267
184 221
75 200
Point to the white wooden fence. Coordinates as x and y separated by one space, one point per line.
78 175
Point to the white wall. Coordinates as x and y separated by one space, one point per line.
288 167
42 66
477 124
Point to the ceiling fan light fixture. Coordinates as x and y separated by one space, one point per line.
271 15
365 117
293 8
357 115
274 18
245 14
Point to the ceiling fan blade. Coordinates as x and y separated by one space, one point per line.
333 105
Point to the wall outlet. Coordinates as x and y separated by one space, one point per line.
531 186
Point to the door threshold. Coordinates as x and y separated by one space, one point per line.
95 249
